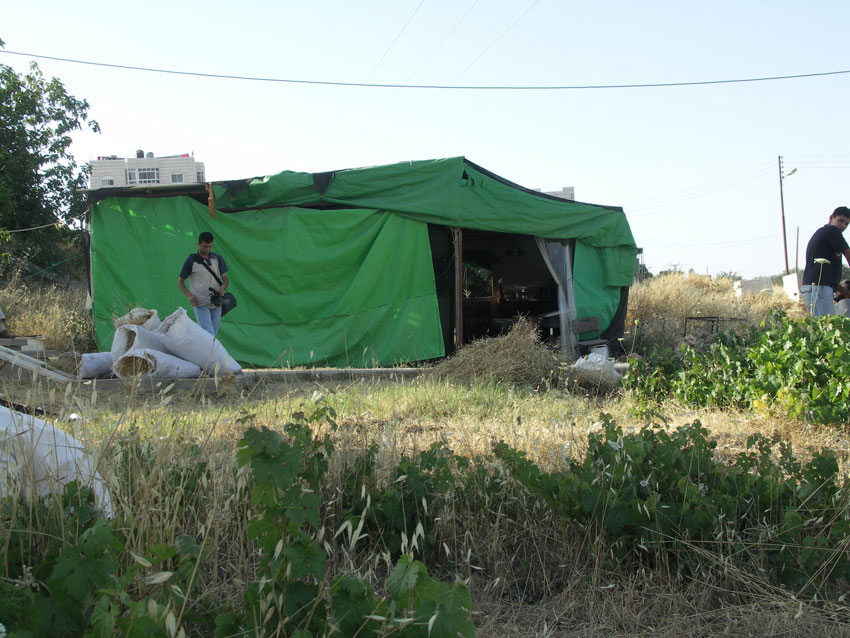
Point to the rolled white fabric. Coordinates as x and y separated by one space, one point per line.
41 458
95 364
154 363
130 337
189 341
141 317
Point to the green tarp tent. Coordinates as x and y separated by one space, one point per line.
336 268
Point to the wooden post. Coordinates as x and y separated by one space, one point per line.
457 235
210 198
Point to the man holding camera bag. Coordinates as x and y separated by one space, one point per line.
206 272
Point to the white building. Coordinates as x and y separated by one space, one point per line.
145 169
566 192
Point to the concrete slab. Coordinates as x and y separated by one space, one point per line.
336 374
145 385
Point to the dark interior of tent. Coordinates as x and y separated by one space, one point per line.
502 278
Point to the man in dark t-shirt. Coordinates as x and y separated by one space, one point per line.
823 264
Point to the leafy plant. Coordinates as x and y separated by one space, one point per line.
654 491
403 513
289 598
794 367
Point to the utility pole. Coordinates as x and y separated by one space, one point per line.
782 206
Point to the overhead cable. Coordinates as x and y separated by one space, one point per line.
368 85
23 230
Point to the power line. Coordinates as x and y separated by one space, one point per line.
375 68
576 87
23 230
673 199
534 59
737 242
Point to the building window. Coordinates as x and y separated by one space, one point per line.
177 178
142 175
107 181
200 177
148 176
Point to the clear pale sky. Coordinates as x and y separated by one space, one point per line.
694 167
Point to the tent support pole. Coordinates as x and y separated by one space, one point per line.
210 199
457 236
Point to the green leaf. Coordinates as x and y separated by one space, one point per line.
402 580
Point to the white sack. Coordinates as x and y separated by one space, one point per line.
189 341
42 458
598 363
140 317
95 365
154 363
131 337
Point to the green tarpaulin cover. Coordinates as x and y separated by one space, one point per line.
350 281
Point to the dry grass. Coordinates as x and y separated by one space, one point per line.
57 312
520 359
529 573
659 307
517 358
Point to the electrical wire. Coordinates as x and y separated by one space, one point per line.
375 68
23 230
697 192
737 242
563 34
442 87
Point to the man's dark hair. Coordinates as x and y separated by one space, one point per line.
206 237
841 211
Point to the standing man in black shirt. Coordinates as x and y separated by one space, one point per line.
823 264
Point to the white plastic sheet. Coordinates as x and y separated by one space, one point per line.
41 458
95 365
189 341
154 363
600 364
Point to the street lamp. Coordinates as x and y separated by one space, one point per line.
782 206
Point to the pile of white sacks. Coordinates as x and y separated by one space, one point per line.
175 348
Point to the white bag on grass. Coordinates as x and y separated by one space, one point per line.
598 363
95 365
41 458
154 363
189 341
130 337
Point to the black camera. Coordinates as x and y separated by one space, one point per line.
215 297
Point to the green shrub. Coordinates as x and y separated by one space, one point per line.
655 492
795 367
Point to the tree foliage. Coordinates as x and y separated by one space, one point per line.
38 173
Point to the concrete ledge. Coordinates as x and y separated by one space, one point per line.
335 374
146 385
223 385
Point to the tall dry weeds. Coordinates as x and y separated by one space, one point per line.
660 307
56 311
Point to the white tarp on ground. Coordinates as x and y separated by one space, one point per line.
154 363
41 458
186 339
